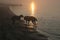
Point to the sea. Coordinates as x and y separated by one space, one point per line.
49 27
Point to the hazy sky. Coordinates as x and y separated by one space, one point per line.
47 8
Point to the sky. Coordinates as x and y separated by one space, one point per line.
45 8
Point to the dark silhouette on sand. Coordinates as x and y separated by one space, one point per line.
30 18
16 18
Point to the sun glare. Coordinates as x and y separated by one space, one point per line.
33 8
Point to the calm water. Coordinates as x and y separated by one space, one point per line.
50 27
